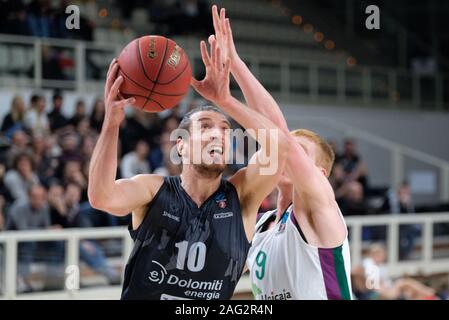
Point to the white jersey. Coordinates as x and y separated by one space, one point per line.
284 266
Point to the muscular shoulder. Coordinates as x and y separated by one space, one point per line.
152 182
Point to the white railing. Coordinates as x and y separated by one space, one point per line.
72 240
286 77
427 264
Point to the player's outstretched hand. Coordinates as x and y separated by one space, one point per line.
223 34
215 86
114 102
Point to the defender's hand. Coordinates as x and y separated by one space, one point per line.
114 102
223 35
215 86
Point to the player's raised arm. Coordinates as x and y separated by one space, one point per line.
303 172
105 193
251 182
256 96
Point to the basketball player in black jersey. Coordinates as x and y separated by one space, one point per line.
192 231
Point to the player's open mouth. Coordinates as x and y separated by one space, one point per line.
216 150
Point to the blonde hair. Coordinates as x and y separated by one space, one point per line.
326 155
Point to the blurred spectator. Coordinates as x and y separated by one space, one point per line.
39 19
19 144
70 143
57 205
14 119
351 199
30 212
72 174
97 115
80 113
353 166
83 128
136 162
21 177
90 252
56 118
43 162
400 202
379 285
36 119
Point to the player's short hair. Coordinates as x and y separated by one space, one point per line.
326 156
186 121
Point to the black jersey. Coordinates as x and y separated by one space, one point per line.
182 251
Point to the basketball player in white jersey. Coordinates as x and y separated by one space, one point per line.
300 250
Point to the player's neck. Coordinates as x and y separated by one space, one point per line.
198 187
285 194
300 203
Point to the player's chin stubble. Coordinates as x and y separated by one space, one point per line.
210 171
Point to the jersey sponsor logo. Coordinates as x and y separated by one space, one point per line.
158 275
283 223
196 289
220 199
284 295
170 216
202 295
223 215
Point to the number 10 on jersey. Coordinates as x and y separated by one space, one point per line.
195 254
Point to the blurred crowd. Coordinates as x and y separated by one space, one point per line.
173 17
42 18
44 161
47 18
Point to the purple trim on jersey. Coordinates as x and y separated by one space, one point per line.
295 222
329 273
259 216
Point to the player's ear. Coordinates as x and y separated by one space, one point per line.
179 146
324 171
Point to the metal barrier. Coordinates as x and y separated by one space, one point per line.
427 264
287 77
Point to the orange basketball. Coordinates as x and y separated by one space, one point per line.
156 71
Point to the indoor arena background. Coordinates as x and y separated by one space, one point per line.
380 96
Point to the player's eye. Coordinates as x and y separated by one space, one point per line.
205 126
